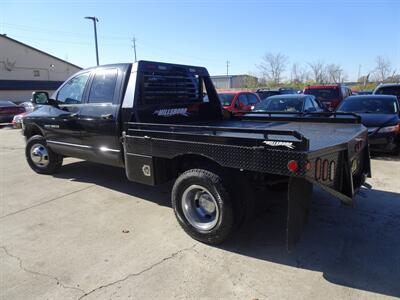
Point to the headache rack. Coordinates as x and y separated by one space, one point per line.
247 136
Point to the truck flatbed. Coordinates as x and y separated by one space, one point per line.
320 135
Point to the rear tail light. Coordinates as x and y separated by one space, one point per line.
332 169
325 170
318 169
292 166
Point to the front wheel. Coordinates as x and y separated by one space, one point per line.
40 158
202 206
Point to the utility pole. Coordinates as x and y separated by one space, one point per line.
359 72
227 67
134 47
95 20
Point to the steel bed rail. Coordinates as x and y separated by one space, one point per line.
302 141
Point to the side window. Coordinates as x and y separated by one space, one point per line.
252 99
103 86
316 105
344 92
308 106
242 100
72 91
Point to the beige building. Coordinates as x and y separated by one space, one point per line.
222 82
24 69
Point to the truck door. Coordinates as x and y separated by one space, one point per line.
63 130
98 117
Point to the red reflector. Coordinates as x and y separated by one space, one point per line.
292 166
318 169
325 170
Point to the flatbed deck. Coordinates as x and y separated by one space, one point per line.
320 135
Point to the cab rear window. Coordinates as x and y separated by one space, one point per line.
168 87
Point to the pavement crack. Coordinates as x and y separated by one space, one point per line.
47 201
140 272
56 279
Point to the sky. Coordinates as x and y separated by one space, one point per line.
209 33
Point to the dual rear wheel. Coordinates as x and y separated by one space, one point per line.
205 207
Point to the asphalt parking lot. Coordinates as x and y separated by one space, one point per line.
89 233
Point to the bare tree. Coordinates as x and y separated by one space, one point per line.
335 73
298 73
272 67
318 72
383 68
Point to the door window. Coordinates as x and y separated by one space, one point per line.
308 106
72 91
242 100
316 105
252 99
103 86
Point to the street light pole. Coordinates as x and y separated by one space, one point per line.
95 20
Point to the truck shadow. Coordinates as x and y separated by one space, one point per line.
354 247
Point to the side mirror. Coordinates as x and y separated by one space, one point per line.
41 98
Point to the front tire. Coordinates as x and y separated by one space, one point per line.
40 158
203 206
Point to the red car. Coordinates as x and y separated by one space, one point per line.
328 95
8 110
237 102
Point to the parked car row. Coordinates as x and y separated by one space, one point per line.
8 110
379 111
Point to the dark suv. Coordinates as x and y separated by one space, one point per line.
265 93
329 95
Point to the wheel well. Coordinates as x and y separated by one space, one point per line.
185 162
32 130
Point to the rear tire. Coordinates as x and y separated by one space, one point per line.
203 206
40 158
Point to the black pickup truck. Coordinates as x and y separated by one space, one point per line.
164 122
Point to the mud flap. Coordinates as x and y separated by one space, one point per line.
299 203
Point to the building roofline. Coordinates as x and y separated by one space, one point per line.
40 51
230 76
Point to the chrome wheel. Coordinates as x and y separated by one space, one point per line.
200 207
39 155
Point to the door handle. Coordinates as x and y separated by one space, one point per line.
72 116
107 117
